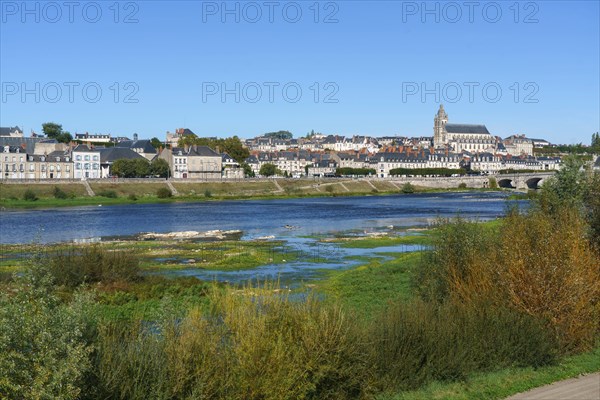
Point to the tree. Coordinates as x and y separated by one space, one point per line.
141 167
595 148
247 170
284 135
159 167
268 169
232 146
55 131
156 143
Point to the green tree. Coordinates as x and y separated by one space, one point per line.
247 170
279 135
159 167
156 143
232 146
595 148
268 169
142 167
55 131
565 189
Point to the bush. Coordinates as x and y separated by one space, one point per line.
414 343
111 194
59 193
493 183
329 188
29 195
44 350
164 193
408 188
91 264
132 197
207 193
539 264
261 346
462 185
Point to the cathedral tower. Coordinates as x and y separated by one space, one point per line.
439 135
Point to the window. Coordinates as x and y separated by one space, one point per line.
43 168
78 158
95 166
95 158
87 158
52 168
58 168
69 168
78 166
86 166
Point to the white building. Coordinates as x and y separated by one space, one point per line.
86 162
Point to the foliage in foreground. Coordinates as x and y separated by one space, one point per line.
538 264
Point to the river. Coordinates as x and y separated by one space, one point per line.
287 218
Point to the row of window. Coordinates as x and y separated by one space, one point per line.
87 166
86 158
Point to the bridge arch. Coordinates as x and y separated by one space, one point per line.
534 183
506 183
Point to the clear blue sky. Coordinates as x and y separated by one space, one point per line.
375 61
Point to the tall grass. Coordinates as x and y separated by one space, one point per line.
74 266
251 346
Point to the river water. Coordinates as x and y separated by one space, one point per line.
254 217
294 221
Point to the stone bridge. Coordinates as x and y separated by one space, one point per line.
524 181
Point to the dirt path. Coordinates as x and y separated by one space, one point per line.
586 387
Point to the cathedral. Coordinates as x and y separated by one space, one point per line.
461 137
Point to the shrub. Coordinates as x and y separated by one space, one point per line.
493 183
44 351
414 343
329 188
164 193
536 263
132 197
111 194
462 185
72 267
29 195
408 188
260 346
207 193
59 193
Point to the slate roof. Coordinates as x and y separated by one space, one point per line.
112 154
5 131
198 151
466 128
144 144
29 142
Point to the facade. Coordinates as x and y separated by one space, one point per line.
13 161
56 165
87 162
86 137
193 162
461 137
518 145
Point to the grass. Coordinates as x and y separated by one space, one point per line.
382 241
11 195
506 382
370 287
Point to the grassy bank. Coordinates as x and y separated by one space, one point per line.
110 193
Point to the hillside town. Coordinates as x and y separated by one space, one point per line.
453 146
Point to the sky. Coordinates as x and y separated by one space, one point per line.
377 68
